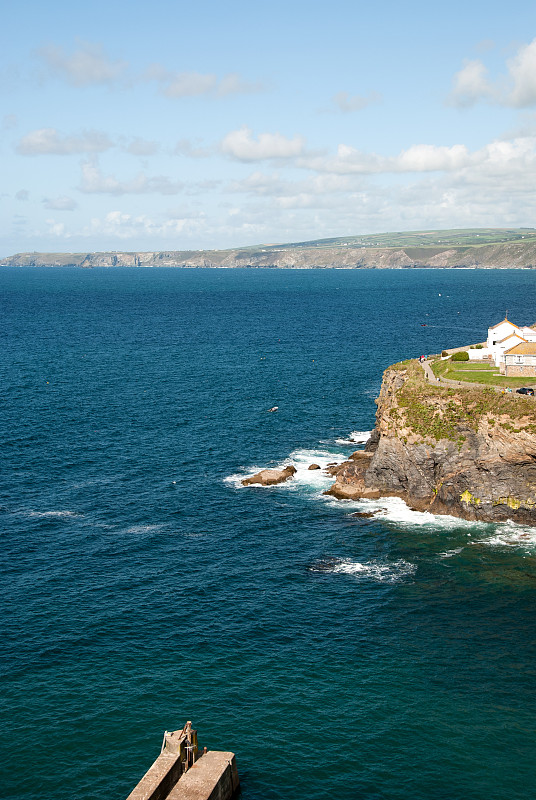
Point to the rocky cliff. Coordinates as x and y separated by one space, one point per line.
505 255
468 452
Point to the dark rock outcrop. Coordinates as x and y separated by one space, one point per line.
270 477
314 466
364 514
468 452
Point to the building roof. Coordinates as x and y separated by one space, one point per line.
510 336
502 323
522 349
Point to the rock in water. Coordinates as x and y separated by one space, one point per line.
270 477
314 466
359 454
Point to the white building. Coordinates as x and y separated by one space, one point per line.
521 360
505 336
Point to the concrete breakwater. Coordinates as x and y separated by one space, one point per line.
181 773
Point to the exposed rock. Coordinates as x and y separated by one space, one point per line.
350 484
364 514
360 454
372 444
353 491
469 452
314 466
270 477
334 469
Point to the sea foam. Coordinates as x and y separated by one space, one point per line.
303 478
379 571
509 534
356 437
51 514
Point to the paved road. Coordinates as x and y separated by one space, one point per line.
428 371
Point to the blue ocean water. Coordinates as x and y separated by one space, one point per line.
339 657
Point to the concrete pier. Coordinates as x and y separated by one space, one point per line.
180 774
213 777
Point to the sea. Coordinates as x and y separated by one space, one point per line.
341 657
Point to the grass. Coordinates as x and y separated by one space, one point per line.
438 240
478 373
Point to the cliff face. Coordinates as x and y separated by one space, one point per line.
468 452
503 255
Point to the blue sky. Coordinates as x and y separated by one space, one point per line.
171 125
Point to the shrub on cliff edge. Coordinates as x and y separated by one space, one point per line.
463 355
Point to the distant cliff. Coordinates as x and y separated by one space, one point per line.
468 452
511 254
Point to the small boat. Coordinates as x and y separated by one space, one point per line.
273 408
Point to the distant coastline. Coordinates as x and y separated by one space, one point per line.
497 248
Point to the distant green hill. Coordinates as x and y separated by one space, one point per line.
484 248
454 237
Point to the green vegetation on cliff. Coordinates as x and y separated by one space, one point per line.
432 411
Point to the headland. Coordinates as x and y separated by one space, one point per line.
474 248
464 450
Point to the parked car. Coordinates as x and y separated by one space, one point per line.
525 390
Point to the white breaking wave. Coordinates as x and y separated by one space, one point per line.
303 478
450 553
52 514
510 534
144 528
381 571
393 509
356 437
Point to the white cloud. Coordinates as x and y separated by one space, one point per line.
233 83
417 158
95 182
522 69
141 147
444 187
60 203
430 158
193 84
188 84
23 195
48 141
516 89
470 85
56 228
241 144
185 147
88 65
348 103
259 183
117 224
